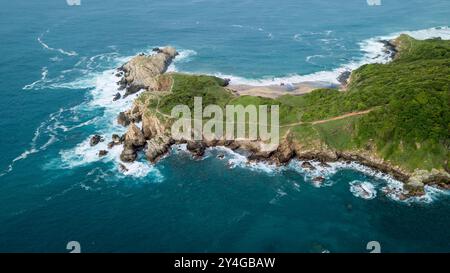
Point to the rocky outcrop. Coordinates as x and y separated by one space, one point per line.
369 160
308 165
142 71
131 116
129 153
117 96
134 140
390 48
344 77
151 126
196 147
420 178
123 119
157 147
134 136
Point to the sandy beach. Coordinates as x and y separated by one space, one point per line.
275 91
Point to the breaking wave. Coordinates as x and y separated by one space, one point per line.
372 49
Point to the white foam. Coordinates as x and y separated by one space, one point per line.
235 159
184 56
372 48
44 73
365 190
60 50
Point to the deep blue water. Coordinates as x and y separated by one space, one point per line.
56 65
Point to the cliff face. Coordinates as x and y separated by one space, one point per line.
142 71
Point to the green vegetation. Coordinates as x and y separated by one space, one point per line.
186 87
409 121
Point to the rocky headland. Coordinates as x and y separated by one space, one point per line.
146 72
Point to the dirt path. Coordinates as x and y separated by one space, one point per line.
330 119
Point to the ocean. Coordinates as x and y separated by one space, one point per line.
57 82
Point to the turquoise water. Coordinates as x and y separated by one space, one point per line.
56 78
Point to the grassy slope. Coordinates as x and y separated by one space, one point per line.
410 96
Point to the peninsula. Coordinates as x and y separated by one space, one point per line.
392 117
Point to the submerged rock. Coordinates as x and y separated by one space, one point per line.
308 165
319 179
111 144
123 168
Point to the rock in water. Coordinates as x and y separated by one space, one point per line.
134 140
117 96
123 168
116 139
96 139
324 165
141 72
102 153
128 154
308 165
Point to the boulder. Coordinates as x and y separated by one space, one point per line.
116 139
196 147
102 153
117 96
96 139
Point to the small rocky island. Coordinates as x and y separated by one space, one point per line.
324 125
